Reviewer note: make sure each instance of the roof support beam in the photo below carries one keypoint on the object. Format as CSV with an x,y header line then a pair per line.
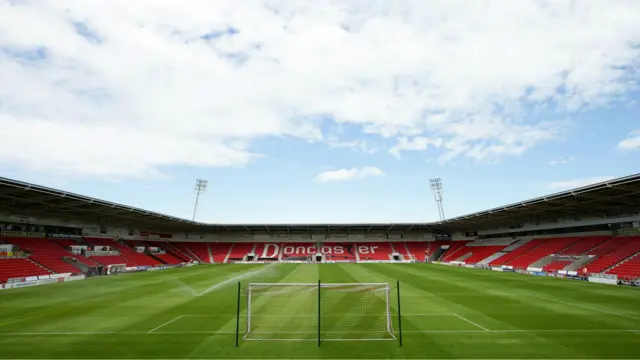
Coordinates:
x,y
16,200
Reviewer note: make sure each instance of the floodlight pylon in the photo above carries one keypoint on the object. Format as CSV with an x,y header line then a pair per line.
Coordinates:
x,y
436,187
201,187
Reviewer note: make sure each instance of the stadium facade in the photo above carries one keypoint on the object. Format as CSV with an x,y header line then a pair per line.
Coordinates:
x,y
590,231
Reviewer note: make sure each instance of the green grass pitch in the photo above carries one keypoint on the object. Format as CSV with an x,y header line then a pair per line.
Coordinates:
x,y
448,312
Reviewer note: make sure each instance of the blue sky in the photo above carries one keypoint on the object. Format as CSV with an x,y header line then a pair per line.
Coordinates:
x,y
303,112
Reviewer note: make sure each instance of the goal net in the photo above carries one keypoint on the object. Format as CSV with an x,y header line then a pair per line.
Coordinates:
x,y
115,269
308,311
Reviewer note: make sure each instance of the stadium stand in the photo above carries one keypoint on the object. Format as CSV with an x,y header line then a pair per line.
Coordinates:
x,y
46,252
547,247
179,253
374,251
418,250
113,260
606,247
169,259
339,251
624,248
557,265
135,257
269,252
583,245
168,255
240,250
198,251
402,249
19,268
627,269
287,251
220,251
127,255
98,241
451,254
517,252
168,249
479,253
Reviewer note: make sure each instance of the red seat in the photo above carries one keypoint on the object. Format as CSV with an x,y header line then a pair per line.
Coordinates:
x,y
169,259
583,245
113,260
19,268
127,254
515,253
629,269
453,252
338,251
197,249
380,251
547,247
240,250
480,253
619,248
556,265
48,253
401,249
219,251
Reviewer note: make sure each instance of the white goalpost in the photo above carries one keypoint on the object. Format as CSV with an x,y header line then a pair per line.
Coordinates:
x,y
314,311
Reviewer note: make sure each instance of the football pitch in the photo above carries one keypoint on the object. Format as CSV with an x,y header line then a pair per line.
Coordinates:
x,y
447,312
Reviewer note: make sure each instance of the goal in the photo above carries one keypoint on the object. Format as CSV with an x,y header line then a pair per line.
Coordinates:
x,y
315,311
115,269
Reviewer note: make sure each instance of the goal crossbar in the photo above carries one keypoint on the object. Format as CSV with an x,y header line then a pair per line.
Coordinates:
x,y
321,284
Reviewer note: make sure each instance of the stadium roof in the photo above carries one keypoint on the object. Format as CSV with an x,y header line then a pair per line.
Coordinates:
x,y
616,196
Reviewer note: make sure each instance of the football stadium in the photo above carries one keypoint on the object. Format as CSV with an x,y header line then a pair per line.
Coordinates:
x,y
320,135
551,277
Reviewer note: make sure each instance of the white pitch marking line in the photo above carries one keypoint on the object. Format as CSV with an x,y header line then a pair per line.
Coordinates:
x,y
167,323
307,315
471,322
404,332
584,307
121,333
310,332
267,339
519,331
386,339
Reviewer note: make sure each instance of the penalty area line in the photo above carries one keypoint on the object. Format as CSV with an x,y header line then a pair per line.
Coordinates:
x,y
167,323
471,322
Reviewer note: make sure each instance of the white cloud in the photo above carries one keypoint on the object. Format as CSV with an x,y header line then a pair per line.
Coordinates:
x,y
632,142
576,183
112,151
562,160
172,85
348,174
418,143
359,145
